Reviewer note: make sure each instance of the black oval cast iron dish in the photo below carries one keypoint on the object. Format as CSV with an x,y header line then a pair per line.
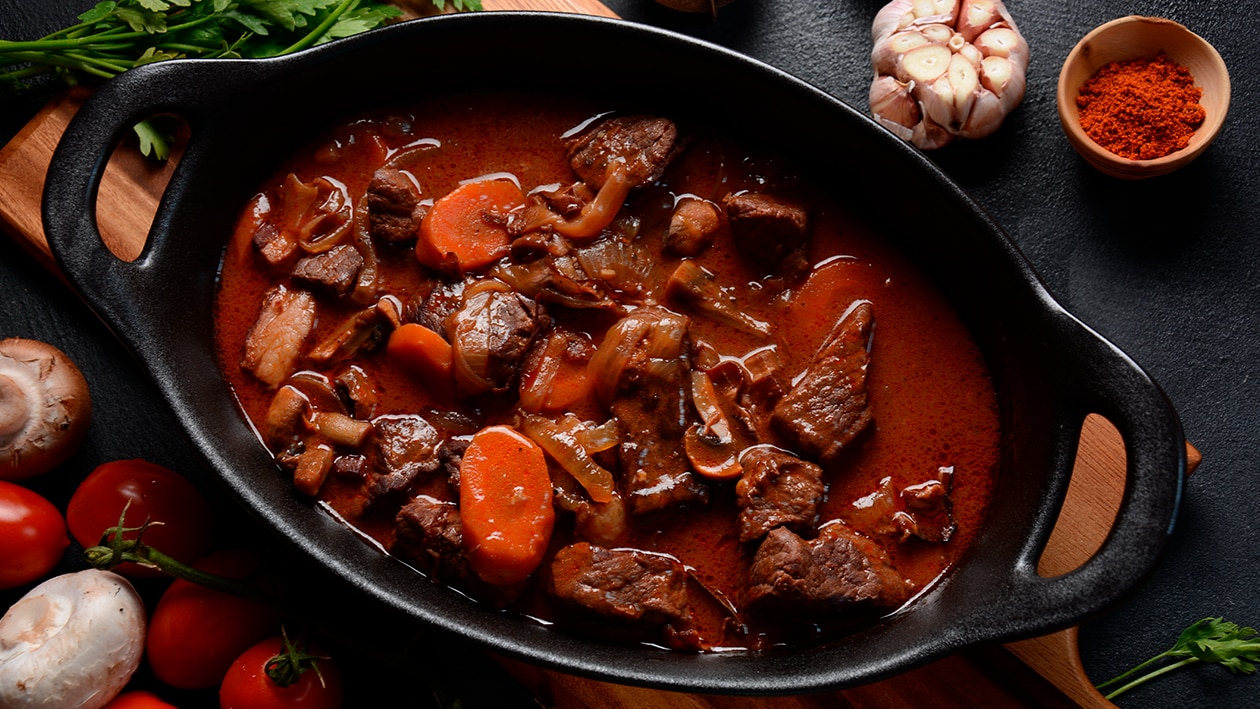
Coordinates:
x,y
1050,370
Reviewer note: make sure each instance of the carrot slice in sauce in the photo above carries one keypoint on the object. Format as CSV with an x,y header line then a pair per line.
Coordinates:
x,y
466,226
505,504
419,347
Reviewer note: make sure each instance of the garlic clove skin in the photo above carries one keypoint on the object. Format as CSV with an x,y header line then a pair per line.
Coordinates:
x,y
889,19
894,107
962,61
942,11
929,135
986,116
976,16
71,642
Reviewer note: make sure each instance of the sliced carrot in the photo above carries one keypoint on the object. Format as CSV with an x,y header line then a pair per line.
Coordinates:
x,y
466,226
422,349
505,505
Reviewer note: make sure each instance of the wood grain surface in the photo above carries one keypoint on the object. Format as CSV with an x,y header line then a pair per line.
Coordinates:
x,y
1042,672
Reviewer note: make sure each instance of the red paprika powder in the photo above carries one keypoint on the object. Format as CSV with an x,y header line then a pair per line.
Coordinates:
x,y
1141,108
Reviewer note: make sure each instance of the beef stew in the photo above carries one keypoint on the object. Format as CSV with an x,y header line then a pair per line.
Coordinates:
x,y
761,424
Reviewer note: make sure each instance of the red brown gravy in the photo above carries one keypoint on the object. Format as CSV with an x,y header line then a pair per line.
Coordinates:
x,y
908,491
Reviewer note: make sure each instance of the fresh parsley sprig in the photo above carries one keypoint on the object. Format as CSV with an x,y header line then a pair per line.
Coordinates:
x,y
117,35
1213,640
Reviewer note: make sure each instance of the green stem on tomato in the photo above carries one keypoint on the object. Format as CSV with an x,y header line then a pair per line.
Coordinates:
x,y
286,668
114,550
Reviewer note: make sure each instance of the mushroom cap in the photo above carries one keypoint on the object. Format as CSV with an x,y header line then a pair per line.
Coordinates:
x,y
73,641
45,408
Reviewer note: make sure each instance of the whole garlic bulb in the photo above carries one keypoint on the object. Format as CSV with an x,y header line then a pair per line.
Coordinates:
x,y
945,68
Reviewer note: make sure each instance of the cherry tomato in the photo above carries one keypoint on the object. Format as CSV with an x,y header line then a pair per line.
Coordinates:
x,y
32,535
247,686
138,699
197,632
156,493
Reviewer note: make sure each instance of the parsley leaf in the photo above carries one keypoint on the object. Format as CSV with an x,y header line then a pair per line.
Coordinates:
x,y
289,14
116,35
153,140
1213,640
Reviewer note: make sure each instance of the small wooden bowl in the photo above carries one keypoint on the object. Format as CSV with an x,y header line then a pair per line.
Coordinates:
x,y
1137,38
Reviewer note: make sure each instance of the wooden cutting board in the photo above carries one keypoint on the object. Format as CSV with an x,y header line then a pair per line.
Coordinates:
x,y
989,677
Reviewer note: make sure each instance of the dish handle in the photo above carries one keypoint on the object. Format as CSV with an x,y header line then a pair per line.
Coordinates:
x,y
119,290
1099,378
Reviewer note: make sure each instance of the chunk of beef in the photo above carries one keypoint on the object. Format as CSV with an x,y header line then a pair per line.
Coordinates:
x,y
275,246
769,231
433,303
623,584
930,508
921,510
827,408
645,145
840,572
777,489
407,447
428,534
451,455
333,272
490,335
393,205
692,227
351,466
275,341
642,370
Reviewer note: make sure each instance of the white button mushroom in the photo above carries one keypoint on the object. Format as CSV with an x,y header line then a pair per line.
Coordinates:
x,y
945,69
72,642
44,408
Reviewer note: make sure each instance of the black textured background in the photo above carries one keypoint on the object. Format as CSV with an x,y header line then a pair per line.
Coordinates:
x,y
1167,268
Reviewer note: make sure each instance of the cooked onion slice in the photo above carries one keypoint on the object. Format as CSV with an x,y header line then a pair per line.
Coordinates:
x,y
652,334
595,215
565,449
